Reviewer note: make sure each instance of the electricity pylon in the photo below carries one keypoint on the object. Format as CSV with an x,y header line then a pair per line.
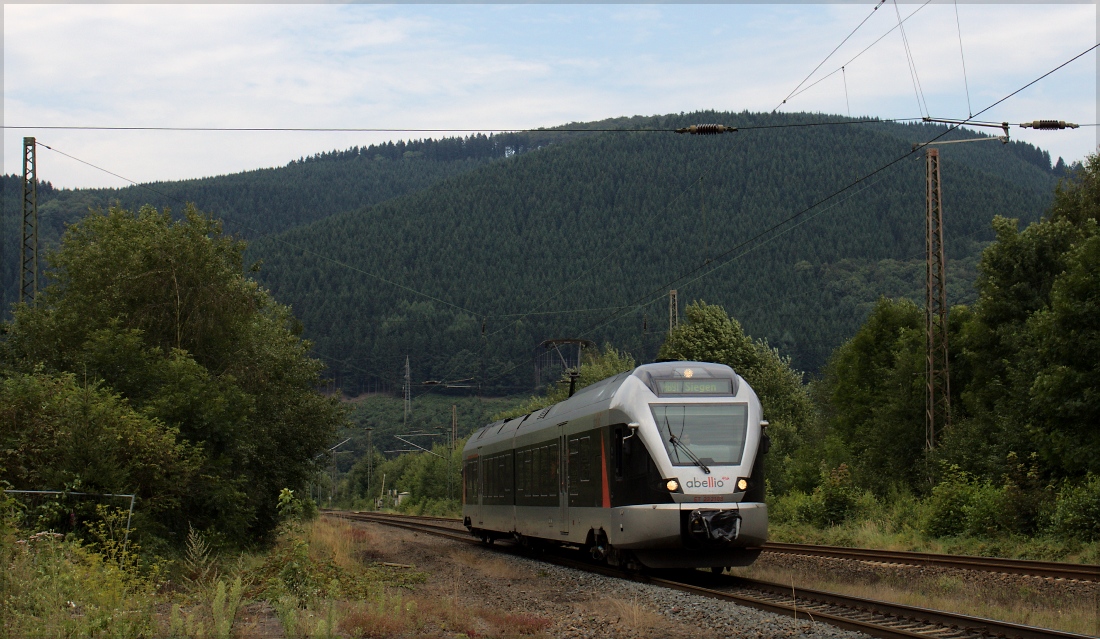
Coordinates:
x,y
28,253
937,373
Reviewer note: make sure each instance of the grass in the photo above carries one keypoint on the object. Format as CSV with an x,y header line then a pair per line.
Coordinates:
x,y
322,579
494,567
632,615
1005,600
54,587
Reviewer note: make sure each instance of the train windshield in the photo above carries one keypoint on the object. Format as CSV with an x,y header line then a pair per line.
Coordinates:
x,y
713,433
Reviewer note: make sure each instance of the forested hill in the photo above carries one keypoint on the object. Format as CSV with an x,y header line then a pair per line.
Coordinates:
x,y
600,220
256,203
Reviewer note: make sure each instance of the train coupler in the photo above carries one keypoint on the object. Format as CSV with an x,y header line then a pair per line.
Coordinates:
x,y
712,527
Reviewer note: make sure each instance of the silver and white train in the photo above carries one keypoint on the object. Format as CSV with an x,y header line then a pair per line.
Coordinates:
x,y
660,467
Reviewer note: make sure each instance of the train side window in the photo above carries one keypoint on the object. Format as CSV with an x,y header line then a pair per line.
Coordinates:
x,y
540,472
584,445
553,481
509,478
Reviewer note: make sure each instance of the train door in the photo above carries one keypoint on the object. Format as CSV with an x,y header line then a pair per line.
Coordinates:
x,y
480,487
563,480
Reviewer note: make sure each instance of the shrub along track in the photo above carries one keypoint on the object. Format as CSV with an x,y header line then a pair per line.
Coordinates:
x,y
876,618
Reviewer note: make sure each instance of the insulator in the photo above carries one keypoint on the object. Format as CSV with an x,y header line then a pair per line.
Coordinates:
x,y
1049,125
707,129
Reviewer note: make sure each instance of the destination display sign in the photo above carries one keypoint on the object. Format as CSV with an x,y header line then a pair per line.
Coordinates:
x,y
695,386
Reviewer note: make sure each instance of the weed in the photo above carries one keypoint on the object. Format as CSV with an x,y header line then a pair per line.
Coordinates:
x,y
520,624
223,608
183,625
199,564
386,615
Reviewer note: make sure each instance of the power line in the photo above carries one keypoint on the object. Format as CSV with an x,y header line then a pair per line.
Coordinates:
x,y
966,83
829,56
271,129
416,130
844,76
917,89
565,312
865,49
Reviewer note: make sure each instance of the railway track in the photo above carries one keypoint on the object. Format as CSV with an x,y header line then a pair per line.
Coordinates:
x,y
875,618
1048,569
1044,569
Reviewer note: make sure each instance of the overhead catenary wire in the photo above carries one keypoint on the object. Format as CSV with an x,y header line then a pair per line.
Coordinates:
x,y
962,56
865,49
835,49
844,76
58,127
917,89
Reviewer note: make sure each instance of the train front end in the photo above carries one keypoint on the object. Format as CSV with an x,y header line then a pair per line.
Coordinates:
x,y
702,427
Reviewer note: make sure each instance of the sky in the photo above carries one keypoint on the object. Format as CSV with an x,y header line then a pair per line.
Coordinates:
x,y
504,67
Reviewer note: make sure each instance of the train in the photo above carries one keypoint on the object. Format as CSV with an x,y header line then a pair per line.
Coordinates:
x,y
660,467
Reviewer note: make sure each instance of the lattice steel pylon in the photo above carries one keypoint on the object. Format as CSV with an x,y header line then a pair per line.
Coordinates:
x,y
28,253
673,310
407,391
937,375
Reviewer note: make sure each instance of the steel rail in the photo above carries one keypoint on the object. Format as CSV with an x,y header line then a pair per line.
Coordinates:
x,y
876,618
1051,569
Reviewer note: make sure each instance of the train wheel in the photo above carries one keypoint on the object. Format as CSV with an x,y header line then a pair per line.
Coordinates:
x,y
717,569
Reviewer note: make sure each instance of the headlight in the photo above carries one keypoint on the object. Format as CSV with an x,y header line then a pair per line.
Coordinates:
x,y
742,484
672,485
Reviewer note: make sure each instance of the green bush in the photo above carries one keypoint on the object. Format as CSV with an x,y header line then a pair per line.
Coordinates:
x,y
948,506
1077,510
963,505
987,511
431,507
833,502
292,508
835,497
789,508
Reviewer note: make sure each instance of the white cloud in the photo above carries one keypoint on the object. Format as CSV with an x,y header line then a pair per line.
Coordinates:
x,y
455,66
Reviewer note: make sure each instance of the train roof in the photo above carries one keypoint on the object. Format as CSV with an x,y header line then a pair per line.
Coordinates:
x,y
600,395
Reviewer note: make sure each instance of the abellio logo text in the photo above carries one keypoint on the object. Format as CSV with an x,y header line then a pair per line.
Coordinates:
x,y
709,482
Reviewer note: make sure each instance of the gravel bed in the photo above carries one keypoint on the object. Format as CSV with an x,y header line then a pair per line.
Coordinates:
x,y
689,614
581,605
